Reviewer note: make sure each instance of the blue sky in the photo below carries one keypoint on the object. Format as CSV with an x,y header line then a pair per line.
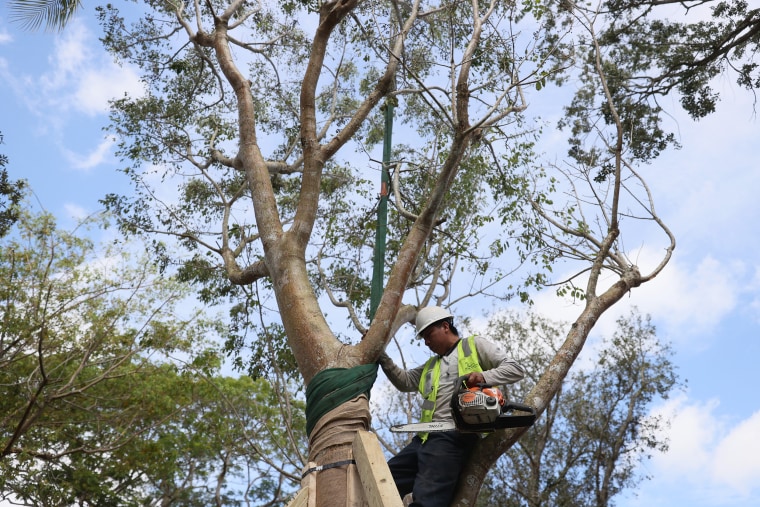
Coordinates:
x,y
53,107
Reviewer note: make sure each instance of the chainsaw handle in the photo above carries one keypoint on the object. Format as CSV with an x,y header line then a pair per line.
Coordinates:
x,y
511,405
461,383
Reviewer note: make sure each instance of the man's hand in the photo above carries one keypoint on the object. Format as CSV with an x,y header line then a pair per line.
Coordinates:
x,y
475,378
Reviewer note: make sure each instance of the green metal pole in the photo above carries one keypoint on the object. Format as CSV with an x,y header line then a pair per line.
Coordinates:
x,y
376,291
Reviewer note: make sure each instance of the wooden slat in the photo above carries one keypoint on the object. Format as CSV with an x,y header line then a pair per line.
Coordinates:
x,y
301,499
374,473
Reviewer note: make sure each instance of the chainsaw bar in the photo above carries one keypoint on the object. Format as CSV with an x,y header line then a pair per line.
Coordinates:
x,y
426,427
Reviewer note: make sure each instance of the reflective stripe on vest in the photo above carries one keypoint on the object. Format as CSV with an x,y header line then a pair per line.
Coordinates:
x,y
467,362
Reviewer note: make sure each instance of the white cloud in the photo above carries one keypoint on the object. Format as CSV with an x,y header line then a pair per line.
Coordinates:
x,y
686,301
705,191
692,432
82,79
95,87
71,53
92,159
692,298
708,455
79,80
75,212
5,37
753,291
736,462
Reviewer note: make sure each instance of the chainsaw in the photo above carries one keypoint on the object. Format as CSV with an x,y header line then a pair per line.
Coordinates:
x,y
478,409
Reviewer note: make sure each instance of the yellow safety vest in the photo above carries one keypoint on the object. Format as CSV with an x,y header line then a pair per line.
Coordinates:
x,y
467,362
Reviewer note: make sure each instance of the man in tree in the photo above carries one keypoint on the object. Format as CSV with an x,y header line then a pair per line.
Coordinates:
x,y
429,466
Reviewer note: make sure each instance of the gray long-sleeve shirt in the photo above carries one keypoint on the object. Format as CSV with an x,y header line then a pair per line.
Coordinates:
x,y
498,369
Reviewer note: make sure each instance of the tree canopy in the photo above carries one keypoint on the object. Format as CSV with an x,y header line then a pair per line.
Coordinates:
x,y
110,386
258,115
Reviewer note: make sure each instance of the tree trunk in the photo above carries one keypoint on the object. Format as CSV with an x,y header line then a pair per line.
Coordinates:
x,y
331,443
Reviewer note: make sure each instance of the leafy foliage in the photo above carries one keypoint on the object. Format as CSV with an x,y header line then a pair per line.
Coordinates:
x,y
185,132
597,429
11,193
661,48
109,396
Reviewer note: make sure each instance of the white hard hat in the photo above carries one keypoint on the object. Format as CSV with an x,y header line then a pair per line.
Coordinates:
x,y
430,315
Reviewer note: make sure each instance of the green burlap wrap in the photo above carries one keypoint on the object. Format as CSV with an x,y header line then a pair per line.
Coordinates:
x,y
334,386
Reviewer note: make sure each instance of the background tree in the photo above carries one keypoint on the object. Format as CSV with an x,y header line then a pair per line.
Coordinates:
x,y
11,194
595,432
109,396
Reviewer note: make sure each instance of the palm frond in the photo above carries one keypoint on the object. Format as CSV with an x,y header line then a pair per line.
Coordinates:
x,y
54,14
